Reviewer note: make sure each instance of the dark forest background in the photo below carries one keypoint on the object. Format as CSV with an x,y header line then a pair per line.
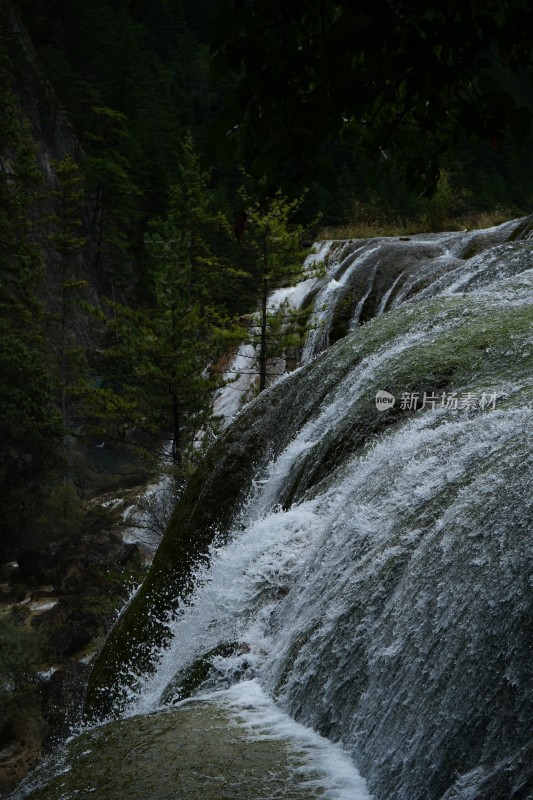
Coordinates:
x,y
107,153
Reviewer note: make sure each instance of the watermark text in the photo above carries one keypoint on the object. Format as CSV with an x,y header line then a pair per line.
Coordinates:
x,y
418,401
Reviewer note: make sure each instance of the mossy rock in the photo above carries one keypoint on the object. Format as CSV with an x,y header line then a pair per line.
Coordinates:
x,y
200,752
193,676
524,229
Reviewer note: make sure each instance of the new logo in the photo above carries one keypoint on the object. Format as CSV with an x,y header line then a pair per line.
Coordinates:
x,y
384,400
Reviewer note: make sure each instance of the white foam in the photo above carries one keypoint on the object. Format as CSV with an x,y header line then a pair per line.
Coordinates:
x,y
240,378
326,764
285,571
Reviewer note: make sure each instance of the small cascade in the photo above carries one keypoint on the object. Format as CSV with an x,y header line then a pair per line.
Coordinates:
x,y
242,375
361,280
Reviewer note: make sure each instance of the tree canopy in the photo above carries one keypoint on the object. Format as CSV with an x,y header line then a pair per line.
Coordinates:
x,y
405,80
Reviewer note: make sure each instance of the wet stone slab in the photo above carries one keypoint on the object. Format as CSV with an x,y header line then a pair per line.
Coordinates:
x,y
198,751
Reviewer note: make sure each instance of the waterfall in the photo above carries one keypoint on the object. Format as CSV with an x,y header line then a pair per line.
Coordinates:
x,y
358,586
362,279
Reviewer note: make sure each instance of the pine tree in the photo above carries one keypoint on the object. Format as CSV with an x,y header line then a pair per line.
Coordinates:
x,y
193,210
158,386
114,192
29,425
274,245
68,242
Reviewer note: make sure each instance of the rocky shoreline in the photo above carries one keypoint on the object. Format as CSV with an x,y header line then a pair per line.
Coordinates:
x,y
60,602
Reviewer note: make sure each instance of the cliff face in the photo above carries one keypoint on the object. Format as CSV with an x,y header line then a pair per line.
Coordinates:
x,y
47,273
49,276
51,143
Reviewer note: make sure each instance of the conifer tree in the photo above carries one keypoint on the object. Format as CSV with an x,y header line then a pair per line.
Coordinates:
x,y
29,425
113,190
193,209
68,241
274,245
159,381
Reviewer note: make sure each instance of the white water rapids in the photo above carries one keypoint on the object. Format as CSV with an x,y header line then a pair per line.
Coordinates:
x,y
283,588
370,601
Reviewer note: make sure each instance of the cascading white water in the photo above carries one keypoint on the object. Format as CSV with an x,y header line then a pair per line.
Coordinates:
x,y
242,374
267,586
390,269
376,584
285,591
300,610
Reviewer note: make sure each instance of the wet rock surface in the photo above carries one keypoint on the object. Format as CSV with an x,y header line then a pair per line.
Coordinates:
x,y
65,601
199,751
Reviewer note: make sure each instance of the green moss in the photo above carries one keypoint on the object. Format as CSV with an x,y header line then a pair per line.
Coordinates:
x,y
342,316
524,230
474,247
189,679
209,506
199,752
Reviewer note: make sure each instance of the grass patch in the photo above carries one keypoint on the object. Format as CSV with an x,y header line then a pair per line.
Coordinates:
x,y
383,226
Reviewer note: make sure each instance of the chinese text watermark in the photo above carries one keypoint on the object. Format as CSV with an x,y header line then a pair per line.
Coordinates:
x,y
417,401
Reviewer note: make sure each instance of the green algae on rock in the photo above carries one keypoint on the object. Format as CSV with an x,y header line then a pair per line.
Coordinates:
x,y
201,750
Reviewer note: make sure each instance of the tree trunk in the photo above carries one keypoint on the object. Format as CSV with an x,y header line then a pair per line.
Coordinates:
x,y
64,370
176,431
263,340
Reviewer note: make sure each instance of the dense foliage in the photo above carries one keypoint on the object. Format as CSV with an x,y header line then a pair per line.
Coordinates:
x,y
401,80
112,199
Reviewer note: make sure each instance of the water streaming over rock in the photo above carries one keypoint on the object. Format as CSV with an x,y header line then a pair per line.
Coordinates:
x,y
368,568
